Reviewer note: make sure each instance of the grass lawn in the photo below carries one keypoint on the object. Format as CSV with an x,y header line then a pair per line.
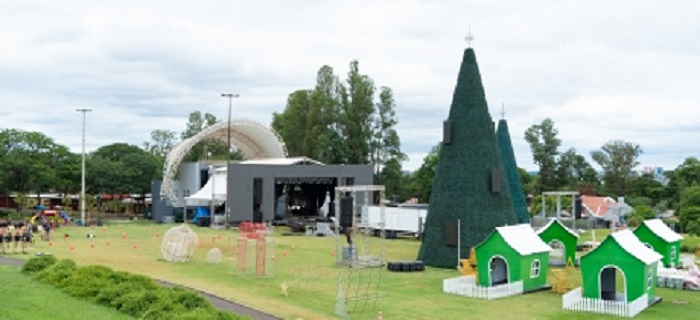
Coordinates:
x,y
306,266
23,298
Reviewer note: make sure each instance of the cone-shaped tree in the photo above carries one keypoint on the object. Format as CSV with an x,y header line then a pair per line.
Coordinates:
x,y
512,175
462,187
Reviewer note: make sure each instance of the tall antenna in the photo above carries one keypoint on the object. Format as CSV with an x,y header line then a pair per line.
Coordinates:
x,y
469,38
503,111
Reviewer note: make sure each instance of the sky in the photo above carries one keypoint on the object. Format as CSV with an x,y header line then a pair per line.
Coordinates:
x,y
601,70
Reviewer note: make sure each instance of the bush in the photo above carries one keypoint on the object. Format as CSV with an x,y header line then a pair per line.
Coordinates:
x,y
688,248
135,295
57,273
38,264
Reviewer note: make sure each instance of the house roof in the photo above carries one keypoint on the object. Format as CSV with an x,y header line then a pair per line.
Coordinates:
x,y
523,239
659,228
597,206
552,221
630,243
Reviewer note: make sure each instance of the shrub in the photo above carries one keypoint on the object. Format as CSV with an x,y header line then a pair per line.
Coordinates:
x,y
688,248
38,264
57,273
189,299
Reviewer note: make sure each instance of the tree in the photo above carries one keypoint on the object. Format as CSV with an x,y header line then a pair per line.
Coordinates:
x,y
517,194
617,158
462,189
291,124
122,168
423,177
162,141
338,123
195,124
690,206
358,108
29,161
573,169
544,145
385,145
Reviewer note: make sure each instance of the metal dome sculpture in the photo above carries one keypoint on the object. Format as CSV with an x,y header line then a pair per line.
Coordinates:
x,y
253,139
179,244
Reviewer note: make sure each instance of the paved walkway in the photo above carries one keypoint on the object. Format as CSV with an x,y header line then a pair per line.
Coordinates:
x,y
218,302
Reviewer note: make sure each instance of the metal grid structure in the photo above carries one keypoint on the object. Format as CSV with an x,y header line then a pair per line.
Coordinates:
x,y
361,233
253,139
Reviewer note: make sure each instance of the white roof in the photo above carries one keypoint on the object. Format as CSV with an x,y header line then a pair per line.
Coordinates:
x,y
283,161
215,189
630,243
553,220
523,239
659,228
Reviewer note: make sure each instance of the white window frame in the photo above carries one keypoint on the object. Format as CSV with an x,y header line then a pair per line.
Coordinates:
x,y
535,268
673,253
650,278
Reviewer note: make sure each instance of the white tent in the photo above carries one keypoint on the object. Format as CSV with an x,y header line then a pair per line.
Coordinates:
x,y
214,189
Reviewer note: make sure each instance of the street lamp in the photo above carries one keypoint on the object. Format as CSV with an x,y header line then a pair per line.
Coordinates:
x,y
230,97
82,192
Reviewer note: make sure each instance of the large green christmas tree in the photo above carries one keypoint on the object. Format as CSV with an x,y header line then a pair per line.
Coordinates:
x,y
462,187
512,174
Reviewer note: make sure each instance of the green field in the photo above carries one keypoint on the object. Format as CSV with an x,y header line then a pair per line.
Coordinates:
x,y
305,265
24,298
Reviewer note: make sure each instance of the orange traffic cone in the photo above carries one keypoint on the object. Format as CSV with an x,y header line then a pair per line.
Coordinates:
x,y
108,242
135,246
284,253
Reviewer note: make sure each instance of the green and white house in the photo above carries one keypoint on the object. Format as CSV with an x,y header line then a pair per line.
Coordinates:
x,y
510,254
510,261
621,254
657,235
562,240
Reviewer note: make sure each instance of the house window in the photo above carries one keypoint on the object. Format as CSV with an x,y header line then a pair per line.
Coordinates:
x,y
650,278
535,269
673,254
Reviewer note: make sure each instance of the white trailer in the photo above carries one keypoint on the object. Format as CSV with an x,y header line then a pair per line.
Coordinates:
x,y
402,220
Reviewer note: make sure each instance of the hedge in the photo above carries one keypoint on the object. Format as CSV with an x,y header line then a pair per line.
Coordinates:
x,y
135,295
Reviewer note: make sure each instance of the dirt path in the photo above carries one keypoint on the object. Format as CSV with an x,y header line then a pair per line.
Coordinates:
x,y
218,302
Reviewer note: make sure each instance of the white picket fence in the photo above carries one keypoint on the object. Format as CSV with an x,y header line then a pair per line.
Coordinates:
x,y
466,286
574,301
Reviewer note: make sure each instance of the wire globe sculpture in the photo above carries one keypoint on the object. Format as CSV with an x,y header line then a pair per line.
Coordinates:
x,y
214,256
179,244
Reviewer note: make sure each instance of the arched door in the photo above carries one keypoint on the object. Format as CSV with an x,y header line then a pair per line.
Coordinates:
x,y
613,285
557,256
499,271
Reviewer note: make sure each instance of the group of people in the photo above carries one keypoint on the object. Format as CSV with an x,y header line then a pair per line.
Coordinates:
x,y
15,237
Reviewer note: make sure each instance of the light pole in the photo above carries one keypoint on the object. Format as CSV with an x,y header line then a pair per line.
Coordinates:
x,y
230,97
82,189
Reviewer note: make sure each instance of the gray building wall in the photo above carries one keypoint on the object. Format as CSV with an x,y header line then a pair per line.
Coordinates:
x,y
240,184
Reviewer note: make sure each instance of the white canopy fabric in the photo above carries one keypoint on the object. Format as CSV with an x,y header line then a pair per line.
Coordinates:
x,y
215,189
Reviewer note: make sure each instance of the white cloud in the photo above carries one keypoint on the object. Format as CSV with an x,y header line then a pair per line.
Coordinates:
x,y
623,70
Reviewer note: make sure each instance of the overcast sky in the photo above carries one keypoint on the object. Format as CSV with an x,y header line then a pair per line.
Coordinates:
x,y
601,70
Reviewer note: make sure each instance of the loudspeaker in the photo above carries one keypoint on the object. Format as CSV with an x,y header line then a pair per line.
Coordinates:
x,y
451,233
577,207
446,134
495,180
346,212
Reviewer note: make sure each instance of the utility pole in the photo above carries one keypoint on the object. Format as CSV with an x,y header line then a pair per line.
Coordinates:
x,y
230,97
82,189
